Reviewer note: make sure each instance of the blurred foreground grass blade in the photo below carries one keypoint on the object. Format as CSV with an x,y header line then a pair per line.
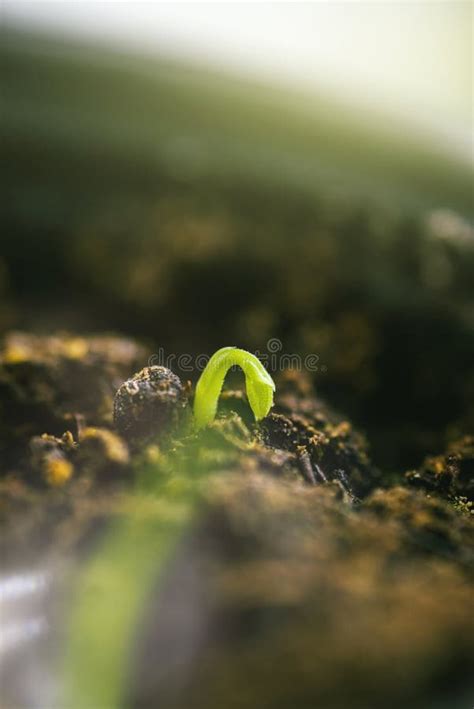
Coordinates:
x,y
111,591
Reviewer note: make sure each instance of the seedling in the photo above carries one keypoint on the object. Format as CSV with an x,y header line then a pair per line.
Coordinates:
x,y
259,384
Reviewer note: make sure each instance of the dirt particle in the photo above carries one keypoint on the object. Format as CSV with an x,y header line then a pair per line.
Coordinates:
x,y
149,404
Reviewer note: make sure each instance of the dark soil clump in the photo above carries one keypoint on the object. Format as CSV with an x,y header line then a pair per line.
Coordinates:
x,y
150,403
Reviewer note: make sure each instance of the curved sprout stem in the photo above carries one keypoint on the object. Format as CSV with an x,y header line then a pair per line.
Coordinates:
x,y
259,384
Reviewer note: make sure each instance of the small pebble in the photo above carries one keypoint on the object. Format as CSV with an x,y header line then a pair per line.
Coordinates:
x,y
149,404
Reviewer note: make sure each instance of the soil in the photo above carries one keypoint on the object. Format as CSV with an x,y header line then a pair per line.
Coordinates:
x,y
315,579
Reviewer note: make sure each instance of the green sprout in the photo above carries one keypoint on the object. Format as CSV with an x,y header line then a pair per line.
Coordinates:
x,y
259,384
